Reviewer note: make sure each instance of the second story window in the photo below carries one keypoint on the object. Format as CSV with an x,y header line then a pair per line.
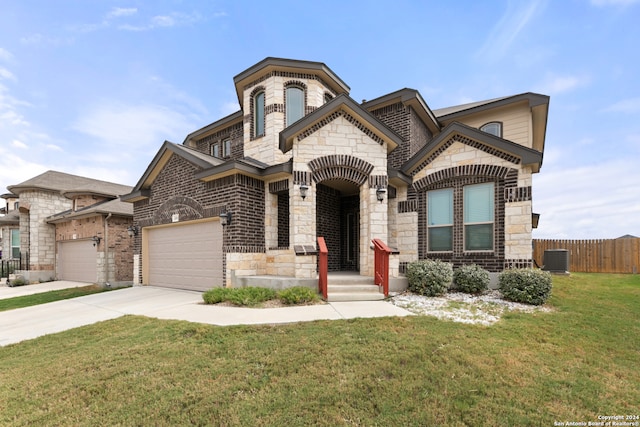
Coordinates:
x,y
258,114
494,128
215,150
294,104
226,148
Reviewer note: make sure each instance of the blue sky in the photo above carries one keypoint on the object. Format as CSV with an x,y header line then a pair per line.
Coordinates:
x,y
94,87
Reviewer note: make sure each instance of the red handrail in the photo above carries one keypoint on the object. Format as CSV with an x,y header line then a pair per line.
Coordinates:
x,y
323,267
381,262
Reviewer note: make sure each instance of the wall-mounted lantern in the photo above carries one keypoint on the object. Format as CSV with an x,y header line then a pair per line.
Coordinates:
x,y
96,240
225,218
133,230
303,190
380,191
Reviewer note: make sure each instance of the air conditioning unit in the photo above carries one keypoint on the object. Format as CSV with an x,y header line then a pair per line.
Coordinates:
x,y
556,261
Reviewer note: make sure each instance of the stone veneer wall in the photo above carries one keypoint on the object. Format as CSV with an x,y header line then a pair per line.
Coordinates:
x,y
39,238
175,190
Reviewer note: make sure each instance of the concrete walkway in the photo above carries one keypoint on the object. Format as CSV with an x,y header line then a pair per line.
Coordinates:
x,y
162,303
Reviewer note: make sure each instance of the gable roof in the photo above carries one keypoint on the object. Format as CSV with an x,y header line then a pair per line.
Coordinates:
x,y
527,155
340,102
67,184
408,97
271,64
12,218
141,189
223,123
116,207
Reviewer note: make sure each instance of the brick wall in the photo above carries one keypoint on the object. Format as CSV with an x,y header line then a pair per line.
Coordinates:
x,y
328,222
233,132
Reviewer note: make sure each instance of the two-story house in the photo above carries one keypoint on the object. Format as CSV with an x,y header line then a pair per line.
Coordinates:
x,y
249,194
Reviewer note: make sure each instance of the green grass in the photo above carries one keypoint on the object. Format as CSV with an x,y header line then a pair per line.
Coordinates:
x,y
572,364
50,296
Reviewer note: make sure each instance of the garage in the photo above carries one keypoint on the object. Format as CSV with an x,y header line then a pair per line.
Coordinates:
x,y
185,256
77,261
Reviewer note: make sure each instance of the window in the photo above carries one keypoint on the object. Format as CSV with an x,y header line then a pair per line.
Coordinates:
x,y
295,104
215,150
15,243
16,205
226,148
478,217
494,128
258,115
440,220
327,97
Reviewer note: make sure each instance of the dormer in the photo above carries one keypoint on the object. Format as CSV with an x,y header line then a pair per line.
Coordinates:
x,y
274,94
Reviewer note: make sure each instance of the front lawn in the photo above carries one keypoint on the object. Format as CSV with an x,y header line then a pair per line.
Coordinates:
x,y
572,364
50,296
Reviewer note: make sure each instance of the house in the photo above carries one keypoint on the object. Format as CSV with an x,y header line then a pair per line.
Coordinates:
x,y
9,228
74,228
249,194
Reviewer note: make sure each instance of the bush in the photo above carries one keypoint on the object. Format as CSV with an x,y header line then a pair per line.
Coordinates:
x,y
250,295
297,295
216,295
429,278
471,279
525,285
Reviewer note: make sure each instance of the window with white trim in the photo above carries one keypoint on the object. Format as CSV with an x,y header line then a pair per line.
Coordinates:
x,y
478,206
440,220
15,243
215,150
494,128
294,104
226,148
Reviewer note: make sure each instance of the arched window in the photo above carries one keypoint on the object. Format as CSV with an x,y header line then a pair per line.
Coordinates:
x,y
327,97
294,104
258,114
494,128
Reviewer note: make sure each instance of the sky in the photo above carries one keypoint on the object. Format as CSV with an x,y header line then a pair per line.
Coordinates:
x,y
94,88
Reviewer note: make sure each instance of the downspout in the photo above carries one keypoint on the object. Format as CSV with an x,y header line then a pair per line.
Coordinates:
x,y
106,247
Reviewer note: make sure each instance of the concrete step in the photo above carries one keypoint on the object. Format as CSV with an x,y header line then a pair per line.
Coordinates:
x,y
354,296
352,287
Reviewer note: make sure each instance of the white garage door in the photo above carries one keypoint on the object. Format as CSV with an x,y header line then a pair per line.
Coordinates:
x,y
186,256
77,261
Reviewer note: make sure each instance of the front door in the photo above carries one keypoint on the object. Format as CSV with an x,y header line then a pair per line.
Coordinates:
x,y
349,232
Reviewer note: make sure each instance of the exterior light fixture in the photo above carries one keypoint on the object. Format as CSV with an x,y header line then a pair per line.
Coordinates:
x,y
96,240
225,218
133,230
303,190
380,193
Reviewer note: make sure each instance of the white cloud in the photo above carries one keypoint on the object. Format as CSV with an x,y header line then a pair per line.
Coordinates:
x,y
133,127
554,84
18,144
53,147
588,202
6,74
174,19
5,55
117,12
508,28
627,106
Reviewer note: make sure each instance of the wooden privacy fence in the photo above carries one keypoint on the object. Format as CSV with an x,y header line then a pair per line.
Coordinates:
x,y
595,256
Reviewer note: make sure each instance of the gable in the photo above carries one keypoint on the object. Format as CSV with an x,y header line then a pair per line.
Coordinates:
x,y
346,109
478,140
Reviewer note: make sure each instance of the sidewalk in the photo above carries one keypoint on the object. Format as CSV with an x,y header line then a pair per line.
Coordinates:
x,y
164,303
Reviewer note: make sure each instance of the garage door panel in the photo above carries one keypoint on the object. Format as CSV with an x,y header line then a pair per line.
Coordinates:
x,y
186,256
77,261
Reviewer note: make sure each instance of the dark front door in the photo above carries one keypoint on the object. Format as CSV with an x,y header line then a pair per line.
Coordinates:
x,y
349,233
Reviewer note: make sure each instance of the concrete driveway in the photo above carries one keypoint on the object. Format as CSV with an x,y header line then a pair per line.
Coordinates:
x,y
164,303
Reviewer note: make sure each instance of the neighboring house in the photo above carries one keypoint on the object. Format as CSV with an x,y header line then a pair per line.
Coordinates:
x,y
74,228
10,228
301,159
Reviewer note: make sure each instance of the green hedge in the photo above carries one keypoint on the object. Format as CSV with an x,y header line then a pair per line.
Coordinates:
x,y
471,279
252,296
429,277
525,285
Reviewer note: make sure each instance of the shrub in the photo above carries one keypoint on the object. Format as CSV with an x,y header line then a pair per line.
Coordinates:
x,y
250,295
471,279
429,278
525,285
216,295
297,295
